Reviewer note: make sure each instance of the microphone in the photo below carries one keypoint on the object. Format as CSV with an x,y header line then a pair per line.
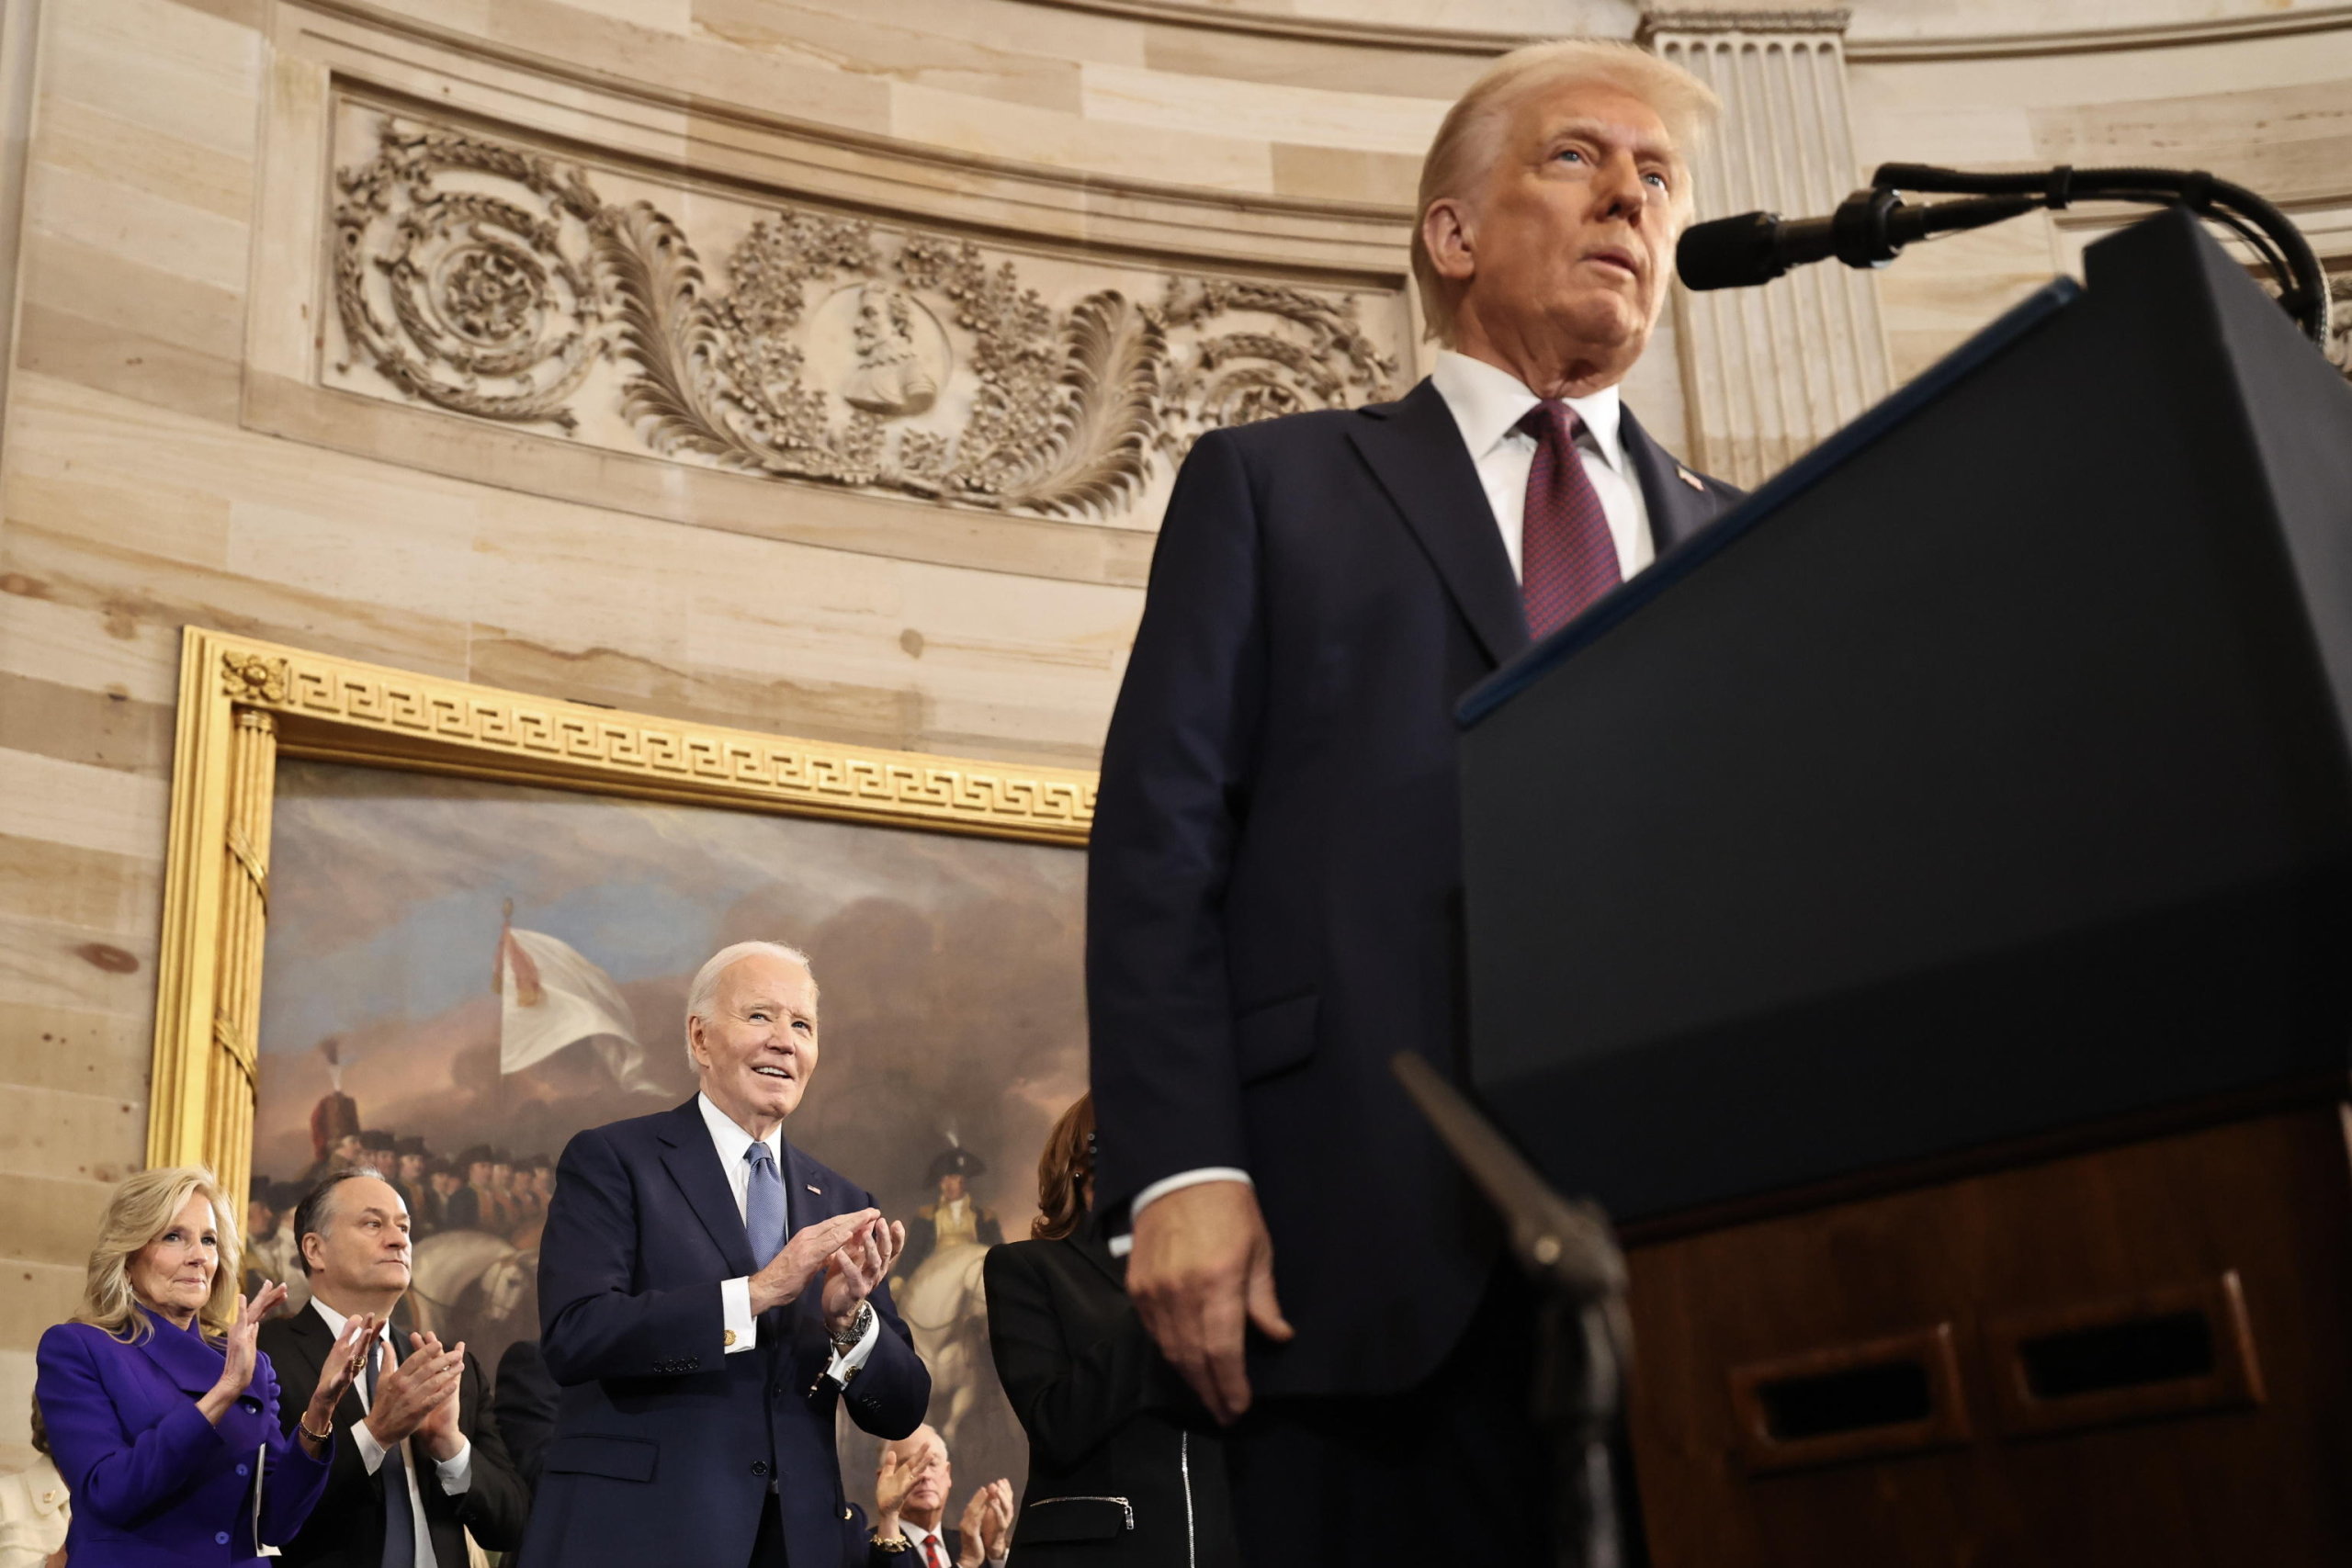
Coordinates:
x,y
1755,247
1868,228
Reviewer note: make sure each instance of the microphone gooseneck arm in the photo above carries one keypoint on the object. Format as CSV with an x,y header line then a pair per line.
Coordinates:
x,y
1873,224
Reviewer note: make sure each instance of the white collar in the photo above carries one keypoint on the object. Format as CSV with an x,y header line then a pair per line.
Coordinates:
x,y
916,1534
335,1320
731,1140
1487,402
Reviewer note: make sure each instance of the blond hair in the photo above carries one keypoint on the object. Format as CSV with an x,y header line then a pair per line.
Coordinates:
x,y
143,1208
1470,138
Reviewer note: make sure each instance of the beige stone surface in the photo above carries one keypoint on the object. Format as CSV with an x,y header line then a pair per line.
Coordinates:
x,y
168,456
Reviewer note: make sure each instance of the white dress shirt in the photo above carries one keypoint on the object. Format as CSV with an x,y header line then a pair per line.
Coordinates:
x,y
735,1296
917,1534
457,1470
1487,402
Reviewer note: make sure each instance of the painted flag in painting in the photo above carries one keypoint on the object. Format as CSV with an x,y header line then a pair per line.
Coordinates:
x,y
551,996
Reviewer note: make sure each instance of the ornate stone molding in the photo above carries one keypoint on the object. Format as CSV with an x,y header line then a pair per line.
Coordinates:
x,y
1671,19
482,278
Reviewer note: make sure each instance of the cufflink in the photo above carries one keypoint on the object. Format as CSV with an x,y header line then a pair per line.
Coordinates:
x,y
727,1339
1687,477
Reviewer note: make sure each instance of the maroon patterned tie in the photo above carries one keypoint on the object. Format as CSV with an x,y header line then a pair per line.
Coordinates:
x,y
1567,557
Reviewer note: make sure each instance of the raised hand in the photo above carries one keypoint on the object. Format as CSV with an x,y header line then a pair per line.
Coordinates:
x,y
344,1364
241,1352
892,1482
968,1529
996,1522
853,1272
1202,1274
803,1258
439,1432
409,1393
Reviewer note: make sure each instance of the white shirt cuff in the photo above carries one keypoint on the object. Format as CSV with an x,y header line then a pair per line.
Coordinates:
x,y
458,1470
1123,1245
372,1452
847,1361
735,1312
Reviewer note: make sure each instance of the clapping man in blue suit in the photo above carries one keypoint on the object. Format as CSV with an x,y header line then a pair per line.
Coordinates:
x,y
709,1296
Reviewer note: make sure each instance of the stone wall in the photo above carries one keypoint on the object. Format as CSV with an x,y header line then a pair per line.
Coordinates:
x,y
201,429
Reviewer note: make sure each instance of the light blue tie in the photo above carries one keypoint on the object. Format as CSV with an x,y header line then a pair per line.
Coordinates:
x,y
763,1206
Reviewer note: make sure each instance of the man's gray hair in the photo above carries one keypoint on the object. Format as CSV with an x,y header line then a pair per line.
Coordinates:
x,y
705,990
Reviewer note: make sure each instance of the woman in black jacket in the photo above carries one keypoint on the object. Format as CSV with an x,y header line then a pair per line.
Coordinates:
x,y
1126,1467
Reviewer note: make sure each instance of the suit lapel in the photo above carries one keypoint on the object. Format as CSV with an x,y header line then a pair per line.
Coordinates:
x,y
693,1163
806,1199
1088,1241
1414,450
1678,508
191,1364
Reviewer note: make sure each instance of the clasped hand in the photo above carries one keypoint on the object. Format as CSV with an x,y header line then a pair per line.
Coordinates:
x,y
852,1252
419,1398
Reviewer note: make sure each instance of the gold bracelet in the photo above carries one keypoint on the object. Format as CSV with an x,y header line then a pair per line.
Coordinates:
x,y
895,1544
303,1424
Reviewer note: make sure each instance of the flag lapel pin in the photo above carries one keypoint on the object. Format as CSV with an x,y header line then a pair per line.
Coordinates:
x,y
1687,477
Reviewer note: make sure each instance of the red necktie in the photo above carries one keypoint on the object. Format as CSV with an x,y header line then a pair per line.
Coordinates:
x,y
1567,557
931,1552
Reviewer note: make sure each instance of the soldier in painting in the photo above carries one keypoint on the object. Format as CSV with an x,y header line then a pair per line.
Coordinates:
x,y
957,1216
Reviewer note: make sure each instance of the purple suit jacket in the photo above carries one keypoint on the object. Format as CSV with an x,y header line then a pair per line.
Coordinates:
x,y
152,1482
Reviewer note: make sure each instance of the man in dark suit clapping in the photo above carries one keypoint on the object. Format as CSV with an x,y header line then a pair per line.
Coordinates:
x,y
418,1459
709,1298
1275,873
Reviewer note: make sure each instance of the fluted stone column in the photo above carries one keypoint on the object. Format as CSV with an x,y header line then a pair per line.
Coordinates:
x,y
1767,372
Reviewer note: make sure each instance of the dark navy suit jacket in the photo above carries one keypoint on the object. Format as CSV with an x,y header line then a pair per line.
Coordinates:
x,y
665,1446
152,1482
1273,894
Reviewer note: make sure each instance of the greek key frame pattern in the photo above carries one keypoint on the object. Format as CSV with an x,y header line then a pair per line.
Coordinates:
x,y
452,724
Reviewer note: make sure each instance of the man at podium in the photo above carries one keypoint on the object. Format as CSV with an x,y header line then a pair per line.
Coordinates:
x,y
1276,874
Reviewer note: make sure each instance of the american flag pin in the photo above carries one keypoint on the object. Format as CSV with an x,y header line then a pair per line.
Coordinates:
x,y
817,1189
1687,477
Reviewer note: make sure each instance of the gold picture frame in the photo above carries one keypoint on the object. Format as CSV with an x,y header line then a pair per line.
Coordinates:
x,y
244,702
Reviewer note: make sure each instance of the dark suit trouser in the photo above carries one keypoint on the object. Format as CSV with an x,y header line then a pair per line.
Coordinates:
x,y
1452,1470
767,1547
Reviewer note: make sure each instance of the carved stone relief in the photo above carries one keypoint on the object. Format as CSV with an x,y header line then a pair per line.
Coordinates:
x,y
493,280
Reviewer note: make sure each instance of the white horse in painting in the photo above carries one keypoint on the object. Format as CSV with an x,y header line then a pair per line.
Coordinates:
x,y
946,1305
461,1275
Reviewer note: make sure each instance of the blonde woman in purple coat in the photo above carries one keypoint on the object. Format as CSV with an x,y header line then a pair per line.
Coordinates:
x,y
162,1414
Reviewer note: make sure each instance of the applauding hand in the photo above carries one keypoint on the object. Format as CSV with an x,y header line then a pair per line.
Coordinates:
x,y
804,1257
241,1351
860,1265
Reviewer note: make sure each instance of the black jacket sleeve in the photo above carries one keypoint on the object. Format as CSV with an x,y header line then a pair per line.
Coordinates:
x,y
495,1502
1070,1400
1173,797
523,1399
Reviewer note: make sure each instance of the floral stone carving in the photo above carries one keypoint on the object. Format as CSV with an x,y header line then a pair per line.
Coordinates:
x,y
488,280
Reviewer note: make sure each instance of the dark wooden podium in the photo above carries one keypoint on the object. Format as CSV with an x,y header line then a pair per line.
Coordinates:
x,y
1921,912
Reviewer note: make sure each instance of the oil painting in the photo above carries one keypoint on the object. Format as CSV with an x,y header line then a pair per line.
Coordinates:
x,y
461,974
